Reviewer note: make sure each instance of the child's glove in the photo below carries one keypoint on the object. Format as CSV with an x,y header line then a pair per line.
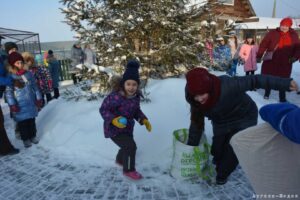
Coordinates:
x,y
119,122
50,84
39,103
147,124
292,60
14,108
258,60
17,83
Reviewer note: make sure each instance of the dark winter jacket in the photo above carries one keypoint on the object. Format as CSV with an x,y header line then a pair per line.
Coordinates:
x,y
55,70
24,98
281,64
4,79
284,117
116,104
235,110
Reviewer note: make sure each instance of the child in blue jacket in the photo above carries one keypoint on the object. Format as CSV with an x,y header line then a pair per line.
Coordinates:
x,y
23,102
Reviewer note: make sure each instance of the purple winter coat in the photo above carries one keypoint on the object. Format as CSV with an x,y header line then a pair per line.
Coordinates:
x,y
116,104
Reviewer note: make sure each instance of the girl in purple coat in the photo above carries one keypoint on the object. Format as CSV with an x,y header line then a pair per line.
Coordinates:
x,y
119,110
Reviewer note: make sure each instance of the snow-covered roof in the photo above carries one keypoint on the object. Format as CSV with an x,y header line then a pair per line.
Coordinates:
x,y
266,23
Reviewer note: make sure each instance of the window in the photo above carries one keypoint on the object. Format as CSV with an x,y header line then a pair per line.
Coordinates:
x,y
227,2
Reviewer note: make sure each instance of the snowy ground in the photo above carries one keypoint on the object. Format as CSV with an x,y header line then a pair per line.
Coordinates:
x,y
74,161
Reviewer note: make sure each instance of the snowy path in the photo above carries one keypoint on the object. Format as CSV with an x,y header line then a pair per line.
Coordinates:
x,y
36,173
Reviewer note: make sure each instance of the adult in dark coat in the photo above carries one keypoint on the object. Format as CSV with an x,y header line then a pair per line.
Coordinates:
x,y
225,102
77,56
6,147
55,71
283,41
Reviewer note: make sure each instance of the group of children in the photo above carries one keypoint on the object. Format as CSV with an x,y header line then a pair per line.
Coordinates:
x,y
34,83
227,56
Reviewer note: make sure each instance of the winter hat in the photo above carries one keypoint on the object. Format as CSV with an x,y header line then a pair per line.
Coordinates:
x,y
231,33
50,52
198,81
284,117
219,38
249,36
14,57
286,22
9,46
132,71
39,60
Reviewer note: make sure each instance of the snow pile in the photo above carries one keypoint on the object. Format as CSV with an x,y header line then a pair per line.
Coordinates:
x,y
75,128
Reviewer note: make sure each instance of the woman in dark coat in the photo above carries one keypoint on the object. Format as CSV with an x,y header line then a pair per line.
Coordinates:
x,y
6,147
225,102
283,41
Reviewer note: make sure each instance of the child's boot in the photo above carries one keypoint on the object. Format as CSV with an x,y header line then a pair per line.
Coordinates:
x,y
134,175
27,143
34,140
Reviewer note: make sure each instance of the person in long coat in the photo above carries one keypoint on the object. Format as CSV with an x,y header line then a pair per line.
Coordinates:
x,y
77,56
6,148
283,42
225,102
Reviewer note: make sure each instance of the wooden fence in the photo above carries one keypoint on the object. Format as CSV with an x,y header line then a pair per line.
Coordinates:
x,y
64,65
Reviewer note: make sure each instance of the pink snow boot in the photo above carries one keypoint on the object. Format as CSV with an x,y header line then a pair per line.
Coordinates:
x,y
134,175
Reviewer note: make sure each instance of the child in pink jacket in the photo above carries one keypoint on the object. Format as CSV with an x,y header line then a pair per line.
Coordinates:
x,y
248,55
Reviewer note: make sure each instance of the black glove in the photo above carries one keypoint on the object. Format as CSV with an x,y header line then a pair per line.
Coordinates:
x,y
17,83
258,60
241,61
292,60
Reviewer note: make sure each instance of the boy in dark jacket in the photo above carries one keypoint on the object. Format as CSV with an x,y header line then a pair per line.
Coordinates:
x,y
225,102
119,110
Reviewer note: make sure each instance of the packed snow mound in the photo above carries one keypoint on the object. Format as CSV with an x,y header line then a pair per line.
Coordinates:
x,y
76,128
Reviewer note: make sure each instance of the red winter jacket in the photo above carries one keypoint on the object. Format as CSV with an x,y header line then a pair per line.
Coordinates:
x,y
281,64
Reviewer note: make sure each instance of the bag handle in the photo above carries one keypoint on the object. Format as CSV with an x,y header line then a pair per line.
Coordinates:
x,y
274,48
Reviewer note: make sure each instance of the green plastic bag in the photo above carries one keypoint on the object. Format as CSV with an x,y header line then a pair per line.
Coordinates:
x,y
190,162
